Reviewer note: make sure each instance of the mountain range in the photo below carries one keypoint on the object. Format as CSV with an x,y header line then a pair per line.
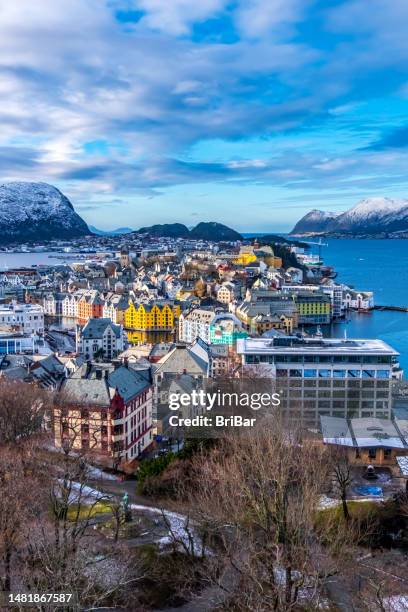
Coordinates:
x,y
371,216
36,212
115,232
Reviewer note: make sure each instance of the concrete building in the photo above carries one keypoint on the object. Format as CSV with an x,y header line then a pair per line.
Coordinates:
x,y
28,318
195,324
100,337
324,377
15,343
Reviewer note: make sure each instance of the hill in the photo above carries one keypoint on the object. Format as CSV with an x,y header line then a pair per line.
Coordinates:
x,y
33,212
203,231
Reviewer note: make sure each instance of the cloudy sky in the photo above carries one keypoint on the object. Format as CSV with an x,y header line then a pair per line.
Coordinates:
x,y
247,112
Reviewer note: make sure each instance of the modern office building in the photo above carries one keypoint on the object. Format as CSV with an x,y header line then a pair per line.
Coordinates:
x,y
14,343
325,376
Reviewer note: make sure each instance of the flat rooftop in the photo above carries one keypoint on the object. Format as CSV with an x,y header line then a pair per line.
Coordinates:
x,y
296,345
364,432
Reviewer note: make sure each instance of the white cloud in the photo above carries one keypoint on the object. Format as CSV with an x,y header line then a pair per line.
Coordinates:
x,y
177,16
256,18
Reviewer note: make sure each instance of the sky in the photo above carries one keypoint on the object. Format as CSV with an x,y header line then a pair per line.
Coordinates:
x,y
245,112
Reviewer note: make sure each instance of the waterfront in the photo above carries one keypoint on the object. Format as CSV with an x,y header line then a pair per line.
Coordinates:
x,y
43,258
373,265
380,266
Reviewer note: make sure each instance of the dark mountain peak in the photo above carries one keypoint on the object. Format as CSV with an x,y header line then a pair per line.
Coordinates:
x,y
203,231
211,230
170,230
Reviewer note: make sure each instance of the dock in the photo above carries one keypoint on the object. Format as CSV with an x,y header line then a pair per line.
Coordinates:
x,y
392,308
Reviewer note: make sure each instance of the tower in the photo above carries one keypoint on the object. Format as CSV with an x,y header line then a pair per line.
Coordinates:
x,y
124,257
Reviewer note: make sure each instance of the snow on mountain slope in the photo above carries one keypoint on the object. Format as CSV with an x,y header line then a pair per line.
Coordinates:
x,y
369,216
314,221
373,213
37,211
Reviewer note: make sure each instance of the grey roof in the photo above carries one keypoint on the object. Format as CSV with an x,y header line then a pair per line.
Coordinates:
x,y
182,359
87,391
128,382
185,383
95,328
363,432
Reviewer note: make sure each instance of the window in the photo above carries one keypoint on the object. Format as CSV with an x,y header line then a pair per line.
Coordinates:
x,y
310,373
295,373
324,373
387,453
372,453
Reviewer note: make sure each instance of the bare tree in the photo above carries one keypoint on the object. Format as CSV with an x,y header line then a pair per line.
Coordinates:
x,y
258,495
342,475
24,409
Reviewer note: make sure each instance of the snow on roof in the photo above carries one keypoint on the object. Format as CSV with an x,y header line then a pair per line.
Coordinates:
x,y
403,464
362,432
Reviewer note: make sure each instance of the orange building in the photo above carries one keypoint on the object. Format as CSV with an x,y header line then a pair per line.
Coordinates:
x,y
90,306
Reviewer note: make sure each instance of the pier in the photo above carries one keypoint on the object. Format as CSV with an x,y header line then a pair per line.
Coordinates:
x,y
393,308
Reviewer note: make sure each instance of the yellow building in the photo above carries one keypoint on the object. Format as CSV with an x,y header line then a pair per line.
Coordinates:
x,y
157,316
245,256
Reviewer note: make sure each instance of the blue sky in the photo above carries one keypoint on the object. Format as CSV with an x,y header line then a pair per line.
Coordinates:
x,y
247,112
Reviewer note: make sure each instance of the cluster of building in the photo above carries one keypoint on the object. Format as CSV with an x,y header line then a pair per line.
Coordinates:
x,y
117,330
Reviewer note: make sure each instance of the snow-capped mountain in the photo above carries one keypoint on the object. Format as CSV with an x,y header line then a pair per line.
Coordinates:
x,y
314,221
36,212
369,216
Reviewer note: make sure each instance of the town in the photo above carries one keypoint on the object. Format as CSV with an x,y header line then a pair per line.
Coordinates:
x,y
163,307
115,326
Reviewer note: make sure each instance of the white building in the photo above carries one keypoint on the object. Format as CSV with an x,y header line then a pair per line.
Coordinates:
x,y
29,318
226,293
358,300
114,308
70,305
100,337
50,304
325,376
195,324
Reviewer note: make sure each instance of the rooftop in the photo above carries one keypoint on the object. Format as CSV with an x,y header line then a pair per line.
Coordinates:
x,y
95,328
298,344
363,432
